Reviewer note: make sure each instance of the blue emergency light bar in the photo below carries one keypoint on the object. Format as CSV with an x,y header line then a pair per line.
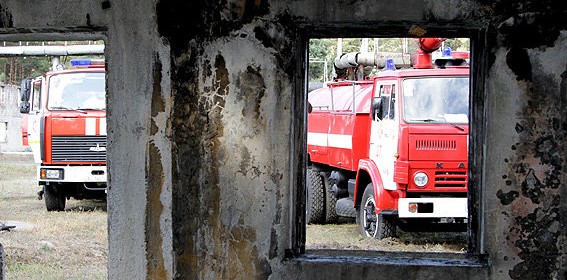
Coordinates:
x,y
86,62
80,62
446,52
390,64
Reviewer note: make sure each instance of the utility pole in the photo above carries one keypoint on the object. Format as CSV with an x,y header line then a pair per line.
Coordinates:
x,y
339,46
364,45
375,45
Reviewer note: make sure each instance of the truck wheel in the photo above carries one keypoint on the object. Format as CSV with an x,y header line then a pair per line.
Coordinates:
x,y
331,216
315,198
370,223
54,198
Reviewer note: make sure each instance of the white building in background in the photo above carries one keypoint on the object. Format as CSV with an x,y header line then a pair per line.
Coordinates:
x,y
10,120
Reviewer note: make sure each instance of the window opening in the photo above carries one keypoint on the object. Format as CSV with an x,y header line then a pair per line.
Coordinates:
x,y
408,125
66,168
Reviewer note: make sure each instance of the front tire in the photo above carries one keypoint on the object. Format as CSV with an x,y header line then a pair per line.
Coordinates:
x,y
370,223
54,198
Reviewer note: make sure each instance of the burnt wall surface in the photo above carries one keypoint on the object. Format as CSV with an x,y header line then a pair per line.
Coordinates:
x,y
205,122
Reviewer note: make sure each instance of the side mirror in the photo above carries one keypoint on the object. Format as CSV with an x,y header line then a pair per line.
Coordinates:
x,y
25,107
376,108
25,90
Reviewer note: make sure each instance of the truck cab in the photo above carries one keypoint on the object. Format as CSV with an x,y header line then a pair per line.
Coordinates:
x,y
66,129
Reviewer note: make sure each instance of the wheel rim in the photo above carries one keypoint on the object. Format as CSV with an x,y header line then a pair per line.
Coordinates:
x,y
370,217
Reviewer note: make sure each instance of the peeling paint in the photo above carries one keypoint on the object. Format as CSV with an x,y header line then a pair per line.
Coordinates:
x,y
155,178
158,104
251,91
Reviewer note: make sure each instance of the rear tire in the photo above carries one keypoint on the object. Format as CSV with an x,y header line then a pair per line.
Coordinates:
x,y
331,216
370,223
54,198
315,206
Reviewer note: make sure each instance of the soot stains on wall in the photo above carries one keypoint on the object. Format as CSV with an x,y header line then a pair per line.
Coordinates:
x,y
196,196
183,21
5,18
219,111
535,170
528,24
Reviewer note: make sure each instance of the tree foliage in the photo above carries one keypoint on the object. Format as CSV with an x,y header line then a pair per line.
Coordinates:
x,y
14,69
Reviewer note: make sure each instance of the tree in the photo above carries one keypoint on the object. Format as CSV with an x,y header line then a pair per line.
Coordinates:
x,y
458,44
321,50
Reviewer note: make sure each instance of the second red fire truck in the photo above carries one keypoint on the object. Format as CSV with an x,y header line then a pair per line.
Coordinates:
x,y
65,112
392,149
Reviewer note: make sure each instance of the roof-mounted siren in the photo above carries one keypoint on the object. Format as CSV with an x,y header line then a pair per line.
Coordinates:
x,y
449,58
426,47
390,65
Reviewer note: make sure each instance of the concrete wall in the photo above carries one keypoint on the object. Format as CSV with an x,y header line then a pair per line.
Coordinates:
x,y
12,119
206,115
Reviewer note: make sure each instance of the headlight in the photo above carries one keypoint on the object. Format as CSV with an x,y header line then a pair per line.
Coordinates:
x,y
51,174
420,179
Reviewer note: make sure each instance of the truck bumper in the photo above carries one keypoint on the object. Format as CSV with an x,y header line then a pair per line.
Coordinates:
x,y
70,174
432,208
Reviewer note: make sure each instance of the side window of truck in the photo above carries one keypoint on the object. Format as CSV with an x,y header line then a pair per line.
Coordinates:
x,y
36,93
385,95
392,103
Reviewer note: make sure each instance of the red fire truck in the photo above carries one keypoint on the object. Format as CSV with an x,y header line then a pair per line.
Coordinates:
x,y
391,150
66,130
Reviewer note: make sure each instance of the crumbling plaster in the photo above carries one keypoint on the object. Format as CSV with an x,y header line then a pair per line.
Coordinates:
x,y
205,119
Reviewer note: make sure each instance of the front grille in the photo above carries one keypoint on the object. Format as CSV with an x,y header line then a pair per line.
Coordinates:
x,y
450,179
78,148
436,145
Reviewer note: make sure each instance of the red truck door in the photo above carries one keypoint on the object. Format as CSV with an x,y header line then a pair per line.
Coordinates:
x,y
384,131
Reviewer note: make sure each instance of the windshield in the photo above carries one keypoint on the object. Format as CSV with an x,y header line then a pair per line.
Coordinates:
x,y
77,91
436,99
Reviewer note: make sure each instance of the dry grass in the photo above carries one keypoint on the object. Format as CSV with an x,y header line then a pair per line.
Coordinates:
x,y
347,237
48,245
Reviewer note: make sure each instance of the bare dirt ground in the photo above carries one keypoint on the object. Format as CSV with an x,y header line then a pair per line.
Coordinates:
x,y
73,244
48,245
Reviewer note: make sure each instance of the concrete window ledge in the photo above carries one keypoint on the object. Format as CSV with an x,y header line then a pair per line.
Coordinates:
x,y
326,264
2,266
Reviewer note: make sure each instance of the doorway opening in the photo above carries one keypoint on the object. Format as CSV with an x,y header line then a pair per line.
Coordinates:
x,y
57,153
